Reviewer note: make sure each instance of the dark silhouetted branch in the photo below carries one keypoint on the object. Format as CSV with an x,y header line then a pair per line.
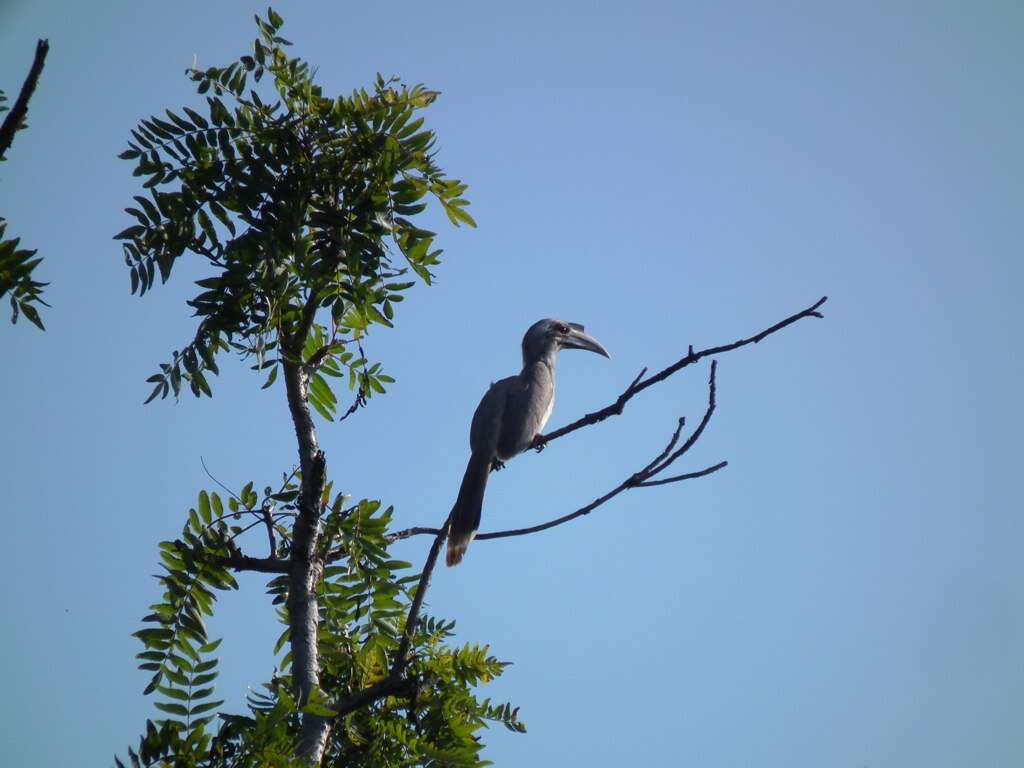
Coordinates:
x,y
415,531
687,476
389,686
413,619
240,562
640,384
16,116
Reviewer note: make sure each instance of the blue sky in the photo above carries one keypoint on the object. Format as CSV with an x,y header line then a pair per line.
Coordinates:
x,y
848,592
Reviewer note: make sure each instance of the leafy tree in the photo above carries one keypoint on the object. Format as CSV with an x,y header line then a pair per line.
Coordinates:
x,y
17,264
301,205
305,208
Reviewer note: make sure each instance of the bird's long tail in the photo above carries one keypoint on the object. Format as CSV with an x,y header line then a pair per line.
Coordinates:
x,y
465,518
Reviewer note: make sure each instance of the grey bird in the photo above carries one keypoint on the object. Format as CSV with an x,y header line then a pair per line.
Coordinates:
x,y
509,417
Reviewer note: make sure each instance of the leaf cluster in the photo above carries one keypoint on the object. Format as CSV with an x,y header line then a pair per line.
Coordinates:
x,y
364,597
298,202
177,647
303,208
16,266
364,602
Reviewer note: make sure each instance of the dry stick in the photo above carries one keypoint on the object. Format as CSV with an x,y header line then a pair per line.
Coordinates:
x,y
18,112
686,476
413,619
614,409
418,530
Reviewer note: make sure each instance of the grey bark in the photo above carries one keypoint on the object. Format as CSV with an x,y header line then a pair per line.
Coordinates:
x,y
306,568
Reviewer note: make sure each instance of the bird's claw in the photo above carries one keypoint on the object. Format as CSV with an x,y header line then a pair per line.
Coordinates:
x,y
497,464
540,446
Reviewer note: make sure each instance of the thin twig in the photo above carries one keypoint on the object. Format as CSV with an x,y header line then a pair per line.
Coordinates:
x,y
389,686
218,482
698,431
687,476
416,531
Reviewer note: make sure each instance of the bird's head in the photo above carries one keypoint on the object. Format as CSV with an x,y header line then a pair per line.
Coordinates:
x,y
546,337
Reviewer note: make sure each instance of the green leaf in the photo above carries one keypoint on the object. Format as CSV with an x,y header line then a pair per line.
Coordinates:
x,y
30,312
208,706
270,379
171,709
204,507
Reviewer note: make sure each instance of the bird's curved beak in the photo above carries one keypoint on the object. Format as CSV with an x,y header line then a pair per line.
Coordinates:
x,y
577,339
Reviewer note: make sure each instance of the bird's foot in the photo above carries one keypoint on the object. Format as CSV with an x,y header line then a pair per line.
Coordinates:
x,y
542,445
497,464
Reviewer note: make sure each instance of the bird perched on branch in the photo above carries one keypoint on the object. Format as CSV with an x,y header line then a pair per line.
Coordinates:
x,y
509,417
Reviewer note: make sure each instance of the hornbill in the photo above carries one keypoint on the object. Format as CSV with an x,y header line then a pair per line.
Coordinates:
x,y
509,417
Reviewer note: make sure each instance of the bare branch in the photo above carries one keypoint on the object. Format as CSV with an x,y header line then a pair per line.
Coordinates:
x,y
687,476
413,619
658,467
389,686
639,384
416,531
16,116
669,447
240,562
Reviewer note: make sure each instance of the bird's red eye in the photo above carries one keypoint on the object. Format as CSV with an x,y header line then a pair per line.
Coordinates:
x,y
562,328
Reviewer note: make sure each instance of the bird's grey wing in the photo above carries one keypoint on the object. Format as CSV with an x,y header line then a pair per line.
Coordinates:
x,y
527,408
485,432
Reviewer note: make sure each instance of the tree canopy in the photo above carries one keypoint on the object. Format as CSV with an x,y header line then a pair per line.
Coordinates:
x,y
304,207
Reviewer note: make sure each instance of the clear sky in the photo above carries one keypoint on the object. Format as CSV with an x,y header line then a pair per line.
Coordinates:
x,y
848,592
